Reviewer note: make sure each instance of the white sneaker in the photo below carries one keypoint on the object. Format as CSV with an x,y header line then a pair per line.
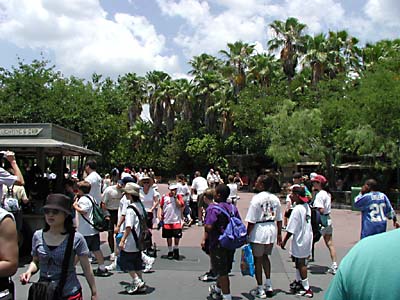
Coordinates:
x,y
333,269
148,264
112,266
258,293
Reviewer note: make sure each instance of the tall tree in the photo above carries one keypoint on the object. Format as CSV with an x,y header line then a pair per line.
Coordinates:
x,y
290,39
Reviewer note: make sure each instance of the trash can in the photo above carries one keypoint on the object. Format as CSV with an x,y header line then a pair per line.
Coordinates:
x,y
355,191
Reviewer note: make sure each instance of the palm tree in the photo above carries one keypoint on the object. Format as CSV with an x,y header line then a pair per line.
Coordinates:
x,y
290,39
237,63
263,69
316,57
156,89
133,87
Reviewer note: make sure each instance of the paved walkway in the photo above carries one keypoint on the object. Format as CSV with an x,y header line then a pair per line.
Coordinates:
x,y
174,280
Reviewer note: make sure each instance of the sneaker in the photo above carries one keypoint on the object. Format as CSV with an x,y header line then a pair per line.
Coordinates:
x,y
134,287
112,266
295,286
200,223
170,255
333,269
269,291
101,273
208,276
176,254
213,292
258,293
306,293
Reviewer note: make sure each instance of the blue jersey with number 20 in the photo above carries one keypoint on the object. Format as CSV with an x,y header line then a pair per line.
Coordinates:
x,y
376,209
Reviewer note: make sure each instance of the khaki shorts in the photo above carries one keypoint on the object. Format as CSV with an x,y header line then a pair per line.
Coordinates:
x,y
261,249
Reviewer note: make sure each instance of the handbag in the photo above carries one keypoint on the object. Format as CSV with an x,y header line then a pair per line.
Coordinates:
x,y
50,290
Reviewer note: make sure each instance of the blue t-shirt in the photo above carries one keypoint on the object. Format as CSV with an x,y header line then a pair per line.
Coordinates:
x,y
51,259
376,209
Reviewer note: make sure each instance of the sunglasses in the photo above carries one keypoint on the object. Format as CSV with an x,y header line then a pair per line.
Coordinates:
x,y
51,211
146,182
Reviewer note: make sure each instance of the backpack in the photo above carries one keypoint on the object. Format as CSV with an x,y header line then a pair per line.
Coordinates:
x,y
10,202
144,241
235,233
100,223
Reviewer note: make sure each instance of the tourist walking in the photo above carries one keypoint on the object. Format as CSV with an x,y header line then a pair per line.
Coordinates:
x,y
263,212
322,202
49,246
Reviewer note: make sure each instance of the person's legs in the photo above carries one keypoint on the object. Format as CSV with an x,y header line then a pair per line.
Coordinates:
x,y
329,243
302,267
258,264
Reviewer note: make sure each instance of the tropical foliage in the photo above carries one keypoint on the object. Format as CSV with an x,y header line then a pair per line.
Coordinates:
x,y
321,97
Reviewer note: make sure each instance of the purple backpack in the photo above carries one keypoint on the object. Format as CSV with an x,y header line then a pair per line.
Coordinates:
x,y
235,233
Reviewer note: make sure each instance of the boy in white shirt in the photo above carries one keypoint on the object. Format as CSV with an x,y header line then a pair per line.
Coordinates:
x,y
300,227
84,206
130,259
171,214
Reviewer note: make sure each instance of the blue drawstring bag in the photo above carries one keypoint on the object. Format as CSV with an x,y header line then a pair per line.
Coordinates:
x,y
247,261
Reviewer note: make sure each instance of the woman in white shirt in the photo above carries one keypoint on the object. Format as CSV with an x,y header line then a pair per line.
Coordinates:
x,y
148,198
322,202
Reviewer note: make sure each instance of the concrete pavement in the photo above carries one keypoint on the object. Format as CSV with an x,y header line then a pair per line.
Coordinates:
x,y
173,280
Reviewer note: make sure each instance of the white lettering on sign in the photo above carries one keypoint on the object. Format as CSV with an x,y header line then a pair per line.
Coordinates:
x,y
20,131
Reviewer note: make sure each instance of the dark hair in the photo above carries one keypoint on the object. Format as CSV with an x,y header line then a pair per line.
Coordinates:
x,y
69,182
264,180
84,186
223,191
68,225
91,164
296,175
373,184
230,178
181,176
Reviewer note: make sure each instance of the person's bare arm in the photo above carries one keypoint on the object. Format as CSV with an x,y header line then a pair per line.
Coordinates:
x,y
17,172
88,272
8,248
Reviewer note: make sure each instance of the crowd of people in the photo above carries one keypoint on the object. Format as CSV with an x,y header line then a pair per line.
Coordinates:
x,y
132,205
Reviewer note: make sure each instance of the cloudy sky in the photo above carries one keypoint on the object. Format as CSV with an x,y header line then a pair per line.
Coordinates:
x,y
113,37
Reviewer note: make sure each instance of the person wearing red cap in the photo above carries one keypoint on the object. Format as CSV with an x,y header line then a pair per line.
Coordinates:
x,y
300,227
323,203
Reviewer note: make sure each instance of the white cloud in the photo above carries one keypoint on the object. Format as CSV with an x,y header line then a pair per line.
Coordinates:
x,y
245,20
83,39
384,11
192,11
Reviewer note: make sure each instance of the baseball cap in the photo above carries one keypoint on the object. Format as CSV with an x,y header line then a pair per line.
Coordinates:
x,y
300,191
319,178
173,186
125,180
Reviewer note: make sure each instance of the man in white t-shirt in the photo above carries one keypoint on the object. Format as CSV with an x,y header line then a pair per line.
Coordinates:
x,y
300,227
94,179
264,211
199,185
111,198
